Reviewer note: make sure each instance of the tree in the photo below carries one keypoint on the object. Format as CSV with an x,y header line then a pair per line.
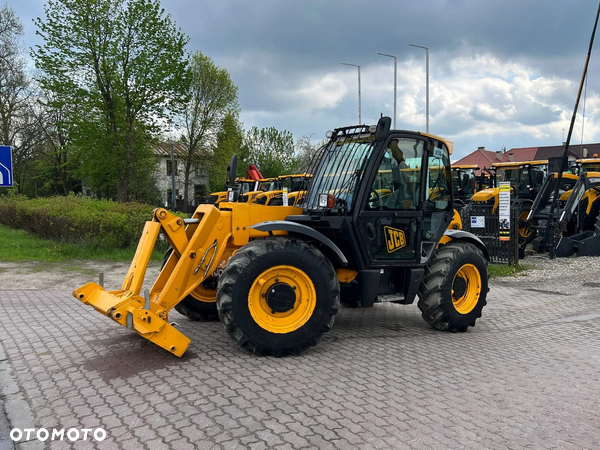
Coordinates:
x,y
271,150
212,108
306,153
55,153
229,142
119,65
15,96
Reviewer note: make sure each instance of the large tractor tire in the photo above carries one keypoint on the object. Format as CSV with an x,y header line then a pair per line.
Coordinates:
x,y
277,296
526,234
455,287
201,304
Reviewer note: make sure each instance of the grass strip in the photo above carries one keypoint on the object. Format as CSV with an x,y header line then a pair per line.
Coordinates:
x,y
19,245
504,270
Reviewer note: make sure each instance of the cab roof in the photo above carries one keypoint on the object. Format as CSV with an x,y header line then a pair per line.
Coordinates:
x,y
295,175
519,164
465,166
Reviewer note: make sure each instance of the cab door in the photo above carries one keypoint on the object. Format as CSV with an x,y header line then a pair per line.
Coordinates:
x,y
407,203
390,217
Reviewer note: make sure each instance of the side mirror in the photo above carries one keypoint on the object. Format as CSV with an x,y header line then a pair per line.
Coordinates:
x,y
383,128
231,170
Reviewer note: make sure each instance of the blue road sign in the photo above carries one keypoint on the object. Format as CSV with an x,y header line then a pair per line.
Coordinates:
x,y
6,169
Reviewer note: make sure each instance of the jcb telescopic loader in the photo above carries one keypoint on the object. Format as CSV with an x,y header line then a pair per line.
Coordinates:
x,y
279,290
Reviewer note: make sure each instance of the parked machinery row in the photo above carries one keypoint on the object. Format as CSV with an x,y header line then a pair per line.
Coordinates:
x,y
574,224
276,191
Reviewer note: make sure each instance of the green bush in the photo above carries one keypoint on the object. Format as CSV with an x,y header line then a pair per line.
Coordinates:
x,y
77,219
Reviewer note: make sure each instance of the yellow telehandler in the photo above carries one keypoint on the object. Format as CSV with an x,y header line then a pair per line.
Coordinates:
x,y
282,267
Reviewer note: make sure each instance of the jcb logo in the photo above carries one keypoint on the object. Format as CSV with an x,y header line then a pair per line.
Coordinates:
x,y
394,239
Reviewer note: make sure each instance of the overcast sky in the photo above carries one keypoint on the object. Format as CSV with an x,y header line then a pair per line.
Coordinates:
x,y
503,73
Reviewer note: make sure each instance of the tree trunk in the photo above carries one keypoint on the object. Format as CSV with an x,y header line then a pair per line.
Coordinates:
x,y
186,183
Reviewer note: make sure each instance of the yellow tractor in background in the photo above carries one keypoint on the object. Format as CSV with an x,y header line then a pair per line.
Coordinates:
x,y
465,182
574,225
285,190
526,179
276,272
243,187
587,165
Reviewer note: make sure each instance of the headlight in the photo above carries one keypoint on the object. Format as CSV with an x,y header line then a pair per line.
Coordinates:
x,y
323,200
326,201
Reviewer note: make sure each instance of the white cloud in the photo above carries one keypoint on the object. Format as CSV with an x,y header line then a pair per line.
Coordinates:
x,y
478,100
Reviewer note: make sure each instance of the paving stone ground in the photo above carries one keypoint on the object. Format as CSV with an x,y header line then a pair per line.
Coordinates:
x,y
527,376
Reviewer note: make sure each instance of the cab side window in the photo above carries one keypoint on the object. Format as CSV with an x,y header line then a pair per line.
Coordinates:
x,y
439,178
398,179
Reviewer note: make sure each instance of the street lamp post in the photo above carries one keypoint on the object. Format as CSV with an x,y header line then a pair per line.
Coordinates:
x,y
359,114
395,81
426,82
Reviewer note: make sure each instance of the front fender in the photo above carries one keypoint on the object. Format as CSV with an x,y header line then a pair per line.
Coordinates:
x,y
298,228
454,235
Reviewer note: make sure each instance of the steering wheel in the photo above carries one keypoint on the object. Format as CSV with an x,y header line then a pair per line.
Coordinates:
x,y
374,197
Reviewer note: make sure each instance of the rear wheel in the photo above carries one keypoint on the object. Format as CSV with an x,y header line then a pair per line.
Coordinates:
x,y
278,296
201,304
455,286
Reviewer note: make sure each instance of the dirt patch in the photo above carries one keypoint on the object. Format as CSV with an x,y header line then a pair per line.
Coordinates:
x,y
562,276
67,275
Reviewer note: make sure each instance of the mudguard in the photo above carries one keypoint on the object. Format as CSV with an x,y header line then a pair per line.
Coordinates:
x,y
293,227
469,237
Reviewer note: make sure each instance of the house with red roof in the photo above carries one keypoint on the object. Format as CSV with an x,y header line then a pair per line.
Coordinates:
x,y
482,158
485,158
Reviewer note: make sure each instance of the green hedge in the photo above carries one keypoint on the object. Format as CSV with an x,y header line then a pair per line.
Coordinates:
x,y
77,219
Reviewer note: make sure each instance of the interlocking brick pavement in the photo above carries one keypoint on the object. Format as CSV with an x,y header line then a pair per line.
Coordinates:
x,y
527,376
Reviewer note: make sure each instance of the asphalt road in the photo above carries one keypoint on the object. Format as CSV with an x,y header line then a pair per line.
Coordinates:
x,y
527,376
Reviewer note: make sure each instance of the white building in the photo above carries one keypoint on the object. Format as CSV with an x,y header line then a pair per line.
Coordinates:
x,y
198,184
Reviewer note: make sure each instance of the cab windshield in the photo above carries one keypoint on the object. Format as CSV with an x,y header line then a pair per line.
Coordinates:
x,y
463,181
293,184
518,178
267,186
340,169
246,186
590,167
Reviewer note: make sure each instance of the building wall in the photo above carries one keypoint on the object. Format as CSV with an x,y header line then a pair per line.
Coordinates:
x,y
163,181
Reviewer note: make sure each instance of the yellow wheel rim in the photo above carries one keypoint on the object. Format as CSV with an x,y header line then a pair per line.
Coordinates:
x,y
204,295
466,288
523,231
282,299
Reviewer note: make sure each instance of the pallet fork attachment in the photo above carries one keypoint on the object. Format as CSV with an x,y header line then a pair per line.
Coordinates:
x,y
200,245
196,254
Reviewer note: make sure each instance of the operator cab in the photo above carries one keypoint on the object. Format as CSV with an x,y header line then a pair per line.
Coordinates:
x,y
464,181
587,165
385,196
526,178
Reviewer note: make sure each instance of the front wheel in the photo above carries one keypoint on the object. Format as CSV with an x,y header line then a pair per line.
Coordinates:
x,y
278,296
454,288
